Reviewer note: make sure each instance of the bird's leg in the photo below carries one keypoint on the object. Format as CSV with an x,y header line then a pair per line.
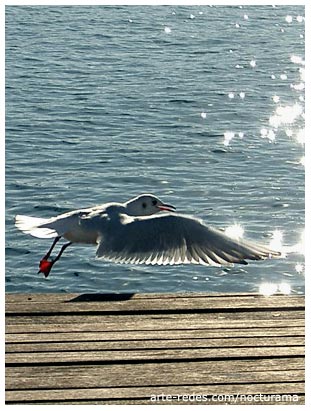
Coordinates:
x,y
51,249
45,266
61,252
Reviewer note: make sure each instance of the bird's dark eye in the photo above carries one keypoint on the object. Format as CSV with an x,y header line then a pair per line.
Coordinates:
x,y
154,202
144,205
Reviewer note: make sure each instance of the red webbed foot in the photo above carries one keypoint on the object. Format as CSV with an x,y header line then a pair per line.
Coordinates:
x,y
45,267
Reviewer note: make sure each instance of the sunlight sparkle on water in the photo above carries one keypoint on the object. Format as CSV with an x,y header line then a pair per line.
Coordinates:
x,y
252,63
283,76
268,289
289,19
276,99
297,60
269,134
228,136
298,87
298,248
285,115
167,30
300,136
235,231
299,268
276,241
284,288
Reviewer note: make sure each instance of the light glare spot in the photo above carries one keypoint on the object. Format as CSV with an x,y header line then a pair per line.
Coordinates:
x,y
276,99
276,241
231,95
252,63
264,132
271,135
298,87
284,288
268,289
285,115
242,95
299,268
289,19
297,60
235,231
228,136
289,133
203,115
283,76
167,30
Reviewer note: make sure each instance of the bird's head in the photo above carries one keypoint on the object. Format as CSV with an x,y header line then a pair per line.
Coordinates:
x,y
146,204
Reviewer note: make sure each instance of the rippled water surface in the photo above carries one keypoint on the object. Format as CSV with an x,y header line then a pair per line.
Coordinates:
x,y
202,106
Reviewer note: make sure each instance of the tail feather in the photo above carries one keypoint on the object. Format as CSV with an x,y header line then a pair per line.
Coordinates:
x,y
31,225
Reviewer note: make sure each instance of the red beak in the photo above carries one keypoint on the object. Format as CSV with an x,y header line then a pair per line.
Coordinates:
x,y
166,207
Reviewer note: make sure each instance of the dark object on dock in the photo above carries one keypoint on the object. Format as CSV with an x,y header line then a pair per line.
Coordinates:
x,y
154,349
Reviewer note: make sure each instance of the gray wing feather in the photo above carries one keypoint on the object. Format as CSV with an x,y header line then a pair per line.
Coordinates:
x,y
172,239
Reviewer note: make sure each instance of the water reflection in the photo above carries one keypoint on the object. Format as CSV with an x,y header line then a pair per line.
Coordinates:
x,y
297,60
235,231
289,19
276,242
299,268
228,136
268,289
285,115
252,63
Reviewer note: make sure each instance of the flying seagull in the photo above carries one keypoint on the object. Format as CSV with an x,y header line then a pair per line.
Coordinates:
x,y
136,232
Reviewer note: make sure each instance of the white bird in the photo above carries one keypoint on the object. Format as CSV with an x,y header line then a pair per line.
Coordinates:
x,y
131,233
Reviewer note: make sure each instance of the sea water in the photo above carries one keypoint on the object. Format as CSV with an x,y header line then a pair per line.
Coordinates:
x,y
202,106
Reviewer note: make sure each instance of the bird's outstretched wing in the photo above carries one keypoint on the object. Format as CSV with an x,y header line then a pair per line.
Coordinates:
x,y
172,239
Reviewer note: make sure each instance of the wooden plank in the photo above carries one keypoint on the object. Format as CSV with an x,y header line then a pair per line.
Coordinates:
x,y
87,297
74,305
74,349
56,347
127,374
136,401
148,392
106,321
132,335
100,297
152,354
96,319
151,323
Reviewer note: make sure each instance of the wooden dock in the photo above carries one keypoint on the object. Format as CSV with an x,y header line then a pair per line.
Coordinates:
x,y
154,349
